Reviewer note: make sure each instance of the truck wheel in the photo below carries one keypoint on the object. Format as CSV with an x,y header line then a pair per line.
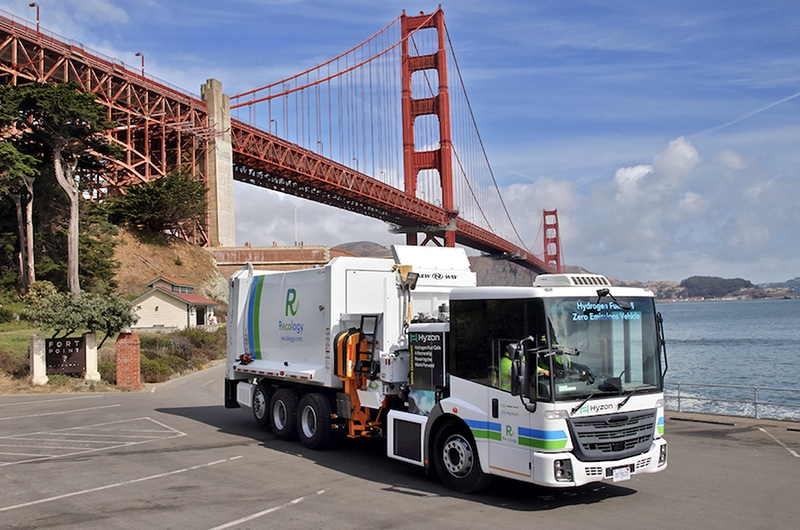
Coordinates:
x,y
314,421
456,459
261,399
283,413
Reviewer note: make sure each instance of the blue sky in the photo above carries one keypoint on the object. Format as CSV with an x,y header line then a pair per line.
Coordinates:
x,y
667,135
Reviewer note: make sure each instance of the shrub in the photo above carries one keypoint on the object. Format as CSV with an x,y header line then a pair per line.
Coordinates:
x,y
154,371
150,354
14,365
183,346
108,371
156,342
198,337
58,379
176,364
6,315
66,313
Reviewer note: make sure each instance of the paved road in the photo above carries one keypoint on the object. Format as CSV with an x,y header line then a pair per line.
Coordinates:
x,y
172,457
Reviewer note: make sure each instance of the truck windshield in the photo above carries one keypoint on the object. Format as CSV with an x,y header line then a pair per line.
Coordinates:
x,y
598,347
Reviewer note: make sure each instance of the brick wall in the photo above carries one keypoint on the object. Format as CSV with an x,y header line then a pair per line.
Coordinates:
x,y
128,370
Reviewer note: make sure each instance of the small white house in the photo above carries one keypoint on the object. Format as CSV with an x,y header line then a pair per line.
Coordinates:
x,y
172,303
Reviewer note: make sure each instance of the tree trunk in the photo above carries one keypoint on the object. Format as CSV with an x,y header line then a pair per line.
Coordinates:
x,y
30,267
31,259
23,244
64,175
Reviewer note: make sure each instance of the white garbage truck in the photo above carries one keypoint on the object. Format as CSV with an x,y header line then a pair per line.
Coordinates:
x,y
557,384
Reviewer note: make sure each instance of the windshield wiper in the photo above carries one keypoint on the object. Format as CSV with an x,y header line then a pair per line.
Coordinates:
x,y
557,350
577,407
544,351
626,306
622,403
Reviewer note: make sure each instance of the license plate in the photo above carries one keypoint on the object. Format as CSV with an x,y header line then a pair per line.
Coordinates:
x,y
622,473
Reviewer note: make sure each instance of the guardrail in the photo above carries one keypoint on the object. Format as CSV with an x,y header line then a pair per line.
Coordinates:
x,y
733,400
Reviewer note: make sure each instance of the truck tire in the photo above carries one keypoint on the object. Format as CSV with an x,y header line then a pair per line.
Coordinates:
x,y
456,459
283,413
314,421
262,396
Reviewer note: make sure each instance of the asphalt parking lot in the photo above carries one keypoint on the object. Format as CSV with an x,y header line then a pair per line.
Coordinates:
x,y
171,456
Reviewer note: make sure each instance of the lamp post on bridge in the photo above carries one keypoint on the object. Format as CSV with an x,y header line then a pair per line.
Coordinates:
x,y
34,4
140,54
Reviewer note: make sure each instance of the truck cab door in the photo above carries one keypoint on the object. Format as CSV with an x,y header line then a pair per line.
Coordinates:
x,y
506,453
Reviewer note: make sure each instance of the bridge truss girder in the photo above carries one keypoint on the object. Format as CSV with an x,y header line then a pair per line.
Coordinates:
x,y
158,127
267,161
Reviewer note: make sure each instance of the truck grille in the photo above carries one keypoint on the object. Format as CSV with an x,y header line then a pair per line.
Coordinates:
x,y
612,436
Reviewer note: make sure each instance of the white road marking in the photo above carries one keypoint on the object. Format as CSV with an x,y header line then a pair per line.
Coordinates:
x,y
791,451
109,486
153,390
265,512
46,401
81,440
57,413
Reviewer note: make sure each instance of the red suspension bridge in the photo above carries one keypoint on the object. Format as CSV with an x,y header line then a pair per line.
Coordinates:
x,y
384,129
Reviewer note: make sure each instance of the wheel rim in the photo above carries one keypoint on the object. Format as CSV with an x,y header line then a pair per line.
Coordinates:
x,y
308,422
279,415
259,405
458,456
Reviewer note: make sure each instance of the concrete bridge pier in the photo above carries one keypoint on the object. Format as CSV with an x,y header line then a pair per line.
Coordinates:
x,y
222,228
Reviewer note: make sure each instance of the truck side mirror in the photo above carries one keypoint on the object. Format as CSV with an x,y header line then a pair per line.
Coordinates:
x,y
519,377
515,377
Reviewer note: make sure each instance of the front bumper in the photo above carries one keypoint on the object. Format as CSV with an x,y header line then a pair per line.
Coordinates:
x,y
544,467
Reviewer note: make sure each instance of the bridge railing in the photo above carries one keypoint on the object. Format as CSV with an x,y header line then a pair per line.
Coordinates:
x,y
733,400
10,21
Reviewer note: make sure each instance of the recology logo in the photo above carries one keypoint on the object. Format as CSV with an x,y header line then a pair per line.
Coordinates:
x,y
291,300
295,329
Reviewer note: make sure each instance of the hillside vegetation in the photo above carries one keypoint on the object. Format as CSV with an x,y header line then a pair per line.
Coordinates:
x,y
142,258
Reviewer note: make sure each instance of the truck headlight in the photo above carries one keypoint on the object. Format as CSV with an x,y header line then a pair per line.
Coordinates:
x,y
556,415
662,456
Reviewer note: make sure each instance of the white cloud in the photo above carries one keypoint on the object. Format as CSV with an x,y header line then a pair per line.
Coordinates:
x,y
692,205
671,219
730,159
97,11
628,181
265,217
676,161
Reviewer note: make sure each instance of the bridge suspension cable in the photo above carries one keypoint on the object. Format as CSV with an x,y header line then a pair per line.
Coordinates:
x,y
482,168
348,109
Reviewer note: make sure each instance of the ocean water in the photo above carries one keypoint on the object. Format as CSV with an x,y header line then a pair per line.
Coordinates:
x,y
752,344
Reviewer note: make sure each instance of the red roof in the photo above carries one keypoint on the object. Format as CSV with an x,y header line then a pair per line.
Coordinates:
x,y
193,299
173,281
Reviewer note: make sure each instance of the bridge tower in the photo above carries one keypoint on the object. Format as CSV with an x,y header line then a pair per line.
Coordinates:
x,y
438,105
552,240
